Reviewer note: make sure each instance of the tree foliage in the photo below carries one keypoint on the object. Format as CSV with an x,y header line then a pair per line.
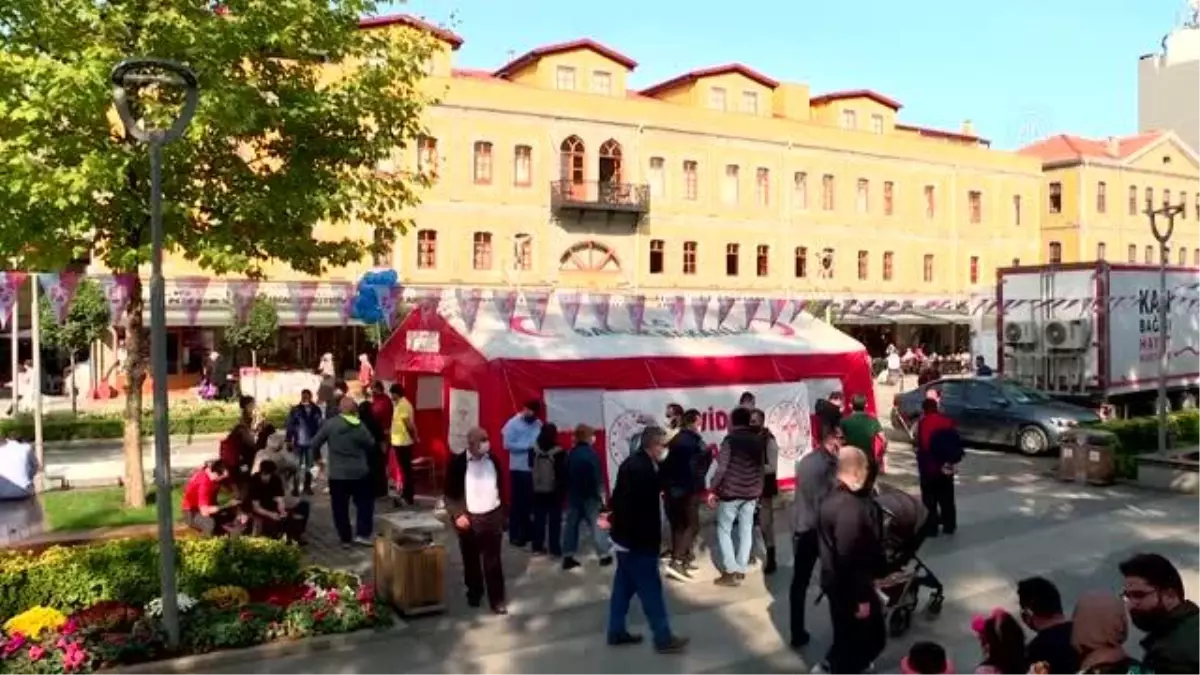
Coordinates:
x,y
87,319
298,106
257,329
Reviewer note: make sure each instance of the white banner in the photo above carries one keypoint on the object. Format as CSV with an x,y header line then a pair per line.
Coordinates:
x,y
788,408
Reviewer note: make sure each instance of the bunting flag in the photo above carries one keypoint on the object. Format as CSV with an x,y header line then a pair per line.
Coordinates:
x,y
600,303
797,307
346,294
536,303
191,296
302,295
636,306
699,310
60,290
774,309
118,291
568,303
676,305
505,303
242,292
10,290
750,307
468,305
724,306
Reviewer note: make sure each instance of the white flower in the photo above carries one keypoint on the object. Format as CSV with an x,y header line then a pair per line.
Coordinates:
x,y
183,601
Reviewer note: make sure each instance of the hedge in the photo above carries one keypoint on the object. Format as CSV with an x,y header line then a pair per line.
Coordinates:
x,y
127,570
1139,435
184,420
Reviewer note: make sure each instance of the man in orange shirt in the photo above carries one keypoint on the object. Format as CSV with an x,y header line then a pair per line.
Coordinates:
x,y
199,504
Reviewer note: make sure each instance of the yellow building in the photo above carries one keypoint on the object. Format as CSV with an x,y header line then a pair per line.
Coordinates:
x,y
1095,194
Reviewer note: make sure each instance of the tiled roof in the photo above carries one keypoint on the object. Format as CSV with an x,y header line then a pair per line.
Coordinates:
x,y
411,21
856,93
1065,147
692,76
535,55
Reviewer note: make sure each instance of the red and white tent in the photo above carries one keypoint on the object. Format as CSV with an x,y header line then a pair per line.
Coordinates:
x,y
611,362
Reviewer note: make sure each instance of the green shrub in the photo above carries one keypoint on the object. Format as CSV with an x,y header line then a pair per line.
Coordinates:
x,y
186,419
127,570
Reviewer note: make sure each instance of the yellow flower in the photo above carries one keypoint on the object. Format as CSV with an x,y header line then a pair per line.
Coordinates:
x,y
33,621
226,596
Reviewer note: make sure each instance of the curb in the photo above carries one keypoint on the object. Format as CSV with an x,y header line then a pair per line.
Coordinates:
x,y
203,663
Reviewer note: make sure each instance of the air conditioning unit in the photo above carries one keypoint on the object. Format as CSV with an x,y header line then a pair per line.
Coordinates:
x,y
1019,333
1072,335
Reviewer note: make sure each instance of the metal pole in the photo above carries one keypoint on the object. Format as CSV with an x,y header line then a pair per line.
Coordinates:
x,y
35,327
140,72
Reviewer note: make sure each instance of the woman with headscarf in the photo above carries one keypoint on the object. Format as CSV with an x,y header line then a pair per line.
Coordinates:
x,y
1098,633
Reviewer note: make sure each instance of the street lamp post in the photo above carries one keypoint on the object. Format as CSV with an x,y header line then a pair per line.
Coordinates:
x,y
1167,213
133,74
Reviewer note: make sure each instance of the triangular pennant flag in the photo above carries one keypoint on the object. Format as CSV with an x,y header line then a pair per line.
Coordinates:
x,y
600,303
724,306
468,305
10,290
505,303
568,304
750,307
60,290
676,305
118,290
242,292
636,306
699,310
302,295
191,296
774,309
536,303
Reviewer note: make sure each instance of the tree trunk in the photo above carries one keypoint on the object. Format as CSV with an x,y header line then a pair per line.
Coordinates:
x,y
74,400
135,376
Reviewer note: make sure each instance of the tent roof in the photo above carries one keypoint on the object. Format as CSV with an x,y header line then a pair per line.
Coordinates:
x,y
495,339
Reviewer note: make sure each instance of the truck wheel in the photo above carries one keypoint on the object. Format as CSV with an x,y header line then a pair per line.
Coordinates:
x,y
1032,441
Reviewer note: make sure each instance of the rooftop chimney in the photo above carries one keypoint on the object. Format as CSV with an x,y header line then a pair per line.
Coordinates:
x,y
968,128
1114,146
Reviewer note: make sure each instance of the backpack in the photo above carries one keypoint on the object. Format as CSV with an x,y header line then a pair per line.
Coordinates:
x,y
545,475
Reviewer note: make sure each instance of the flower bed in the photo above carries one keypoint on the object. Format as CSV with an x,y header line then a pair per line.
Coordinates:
x,y
79,632
186,419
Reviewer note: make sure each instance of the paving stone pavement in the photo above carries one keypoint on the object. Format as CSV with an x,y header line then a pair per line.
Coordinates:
x,y
1014,522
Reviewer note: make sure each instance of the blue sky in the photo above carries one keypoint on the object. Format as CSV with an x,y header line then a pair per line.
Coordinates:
x,y
1019,69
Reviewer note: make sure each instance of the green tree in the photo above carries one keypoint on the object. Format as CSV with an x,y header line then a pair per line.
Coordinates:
x,y
256,331
87,321
280,142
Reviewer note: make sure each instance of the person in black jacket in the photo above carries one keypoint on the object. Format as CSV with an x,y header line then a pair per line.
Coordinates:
x,y
636,528
682,474
852,558
473,502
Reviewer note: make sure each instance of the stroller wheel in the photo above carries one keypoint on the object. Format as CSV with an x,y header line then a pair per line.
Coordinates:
x,y
899,620
935,603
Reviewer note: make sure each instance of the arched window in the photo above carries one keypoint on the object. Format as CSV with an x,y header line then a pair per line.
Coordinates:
x,y
610,162
573,159
589,256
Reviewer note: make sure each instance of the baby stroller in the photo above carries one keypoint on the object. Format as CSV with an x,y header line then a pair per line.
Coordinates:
x,y
903,528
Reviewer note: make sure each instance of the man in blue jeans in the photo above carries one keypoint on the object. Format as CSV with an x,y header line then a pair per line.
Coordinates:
x,y
636,528
520,435
736,487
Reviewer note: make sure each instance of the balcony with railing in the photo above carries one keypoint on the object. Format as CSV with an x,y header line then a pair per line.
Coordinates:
x,y
600,197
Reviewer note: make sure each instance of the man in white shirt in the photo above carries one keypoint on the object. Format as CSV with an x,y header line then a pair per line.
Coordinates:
x,y
18,466
474,505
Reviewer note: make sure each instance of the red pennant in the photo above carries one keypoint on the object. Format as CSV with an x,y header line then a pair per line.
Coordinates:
x,y
636,306
303,294
600,303
774,309
536,303
191,296
10,290
724,306
60,290
676,306
699,310
506,304
468,305
242,292
568,304
118,291
750,307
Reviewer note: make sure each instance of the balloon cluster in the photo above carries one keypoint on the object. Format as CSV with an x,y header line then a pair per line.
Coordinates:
x,y
369,304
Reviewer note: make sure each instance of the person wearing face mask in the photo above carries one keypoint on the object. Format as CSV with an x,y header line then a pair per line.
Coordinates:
x,y
1099,633
636,528
1157,606
1042,612
520,434
849,533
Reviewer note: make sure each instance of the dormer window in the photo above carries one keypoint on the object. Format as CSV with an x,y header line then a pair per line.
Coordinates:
x,y
849,119
877,124
601,82
716,98
565,78
750,102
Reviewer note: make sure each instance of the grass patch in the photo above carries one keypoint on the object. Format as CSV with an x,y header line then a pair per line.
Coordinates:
x,y
92,508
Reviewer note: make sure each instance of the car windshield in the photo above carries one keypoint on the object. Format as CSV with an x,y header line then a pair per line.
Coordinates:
x,y
1021,394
